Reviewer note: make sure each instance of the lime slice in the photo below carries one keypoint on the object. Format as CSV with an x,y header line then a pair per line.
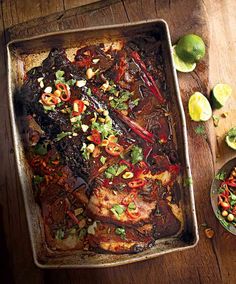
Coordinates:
x,y
220,94
230,138
190,48
180,65
199,107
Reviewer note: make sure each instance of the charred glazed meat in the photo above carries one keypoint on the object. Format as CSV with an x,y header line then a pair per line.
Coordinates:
x,y
101,147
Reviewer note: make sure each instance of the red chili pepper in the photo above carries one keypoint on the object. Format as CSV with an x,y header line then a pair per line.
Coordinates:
x,y
128,164
223,202
121,69
129,198
72,216
174,169
147,78
230,183
65,93
114,149
137,183
49,99
133,214
84,62
78,107
96,137
144,169
139,130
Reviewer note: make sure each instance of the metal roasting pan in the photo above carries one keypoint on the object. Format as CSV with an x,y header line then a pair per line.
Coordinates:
x,y
23,54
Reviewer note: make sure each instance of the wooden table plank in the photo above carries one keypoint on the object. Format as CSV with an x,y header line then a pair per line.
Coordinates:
x,y
209,261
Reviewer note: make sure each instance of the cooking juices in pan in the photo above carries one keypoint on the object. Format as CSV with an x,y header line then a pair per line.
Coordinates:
x,y
100,144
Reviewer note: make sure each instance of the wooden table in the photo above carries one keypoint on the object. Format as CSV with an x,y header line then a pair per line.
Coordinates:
x,y
213,260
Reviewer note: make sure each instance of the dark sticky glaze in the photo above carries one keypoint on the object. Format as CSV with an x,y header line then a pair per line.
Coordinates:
x,y
120,194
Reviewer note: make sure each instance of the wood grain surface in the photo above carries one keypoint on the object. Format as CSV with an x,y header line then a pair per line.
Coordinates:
x,y
213,260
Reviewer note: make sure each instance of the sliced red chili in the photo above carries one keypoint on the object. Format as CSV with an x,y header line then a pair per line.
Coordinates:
x,y
114,149
230,183
96,137
134,213
65,93
129,198
78,107
128,164
137,183
49,99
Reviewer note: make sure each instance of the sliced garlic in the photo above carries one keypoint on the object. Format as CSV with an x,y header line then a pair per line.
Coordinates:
x,y
84,127
96,60
40,79
90,148
90,73
105,87
41,84
48,90
80,83
91,228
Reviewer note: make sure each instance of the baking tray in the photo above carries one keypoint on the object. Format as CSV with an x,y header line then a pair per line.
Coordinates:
x,y
23,54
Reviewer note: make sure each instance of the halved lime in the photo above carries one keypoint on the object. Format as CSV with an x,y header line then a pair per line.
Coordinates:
x,y
180,65
190,48
230,138
199,107
220,94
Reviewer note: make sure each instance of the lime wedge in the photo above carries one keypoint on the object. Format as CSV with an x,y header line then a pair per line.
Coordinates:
x,y
220,94
230,138
180,65
199,107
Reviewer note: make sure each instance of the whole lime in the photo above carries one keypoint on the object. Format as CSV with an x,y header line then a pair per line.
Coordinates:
x,y
191,48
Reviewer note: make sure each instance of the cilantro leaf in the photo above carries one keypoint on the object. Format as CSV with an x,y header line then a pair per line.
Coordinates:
x,y
41,149
221,176
136,155
62,135
121,232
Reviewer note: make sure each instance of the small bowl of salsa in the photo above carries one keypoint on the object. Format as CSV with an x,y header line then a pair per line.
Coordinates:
x,y
223,196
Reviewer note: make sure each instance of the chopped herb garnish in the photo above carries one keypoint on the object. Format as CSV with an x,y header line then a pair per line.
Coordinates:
x,y
221,176
60,104
118,210
49,108
120,103
216,120
61,79
38,179
114,171
132,206
89,92
71,82
41,149
200,130
62,135
103,160
136,155
82,233
105,129
85,153
121,232
135,102
59,234
188,181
